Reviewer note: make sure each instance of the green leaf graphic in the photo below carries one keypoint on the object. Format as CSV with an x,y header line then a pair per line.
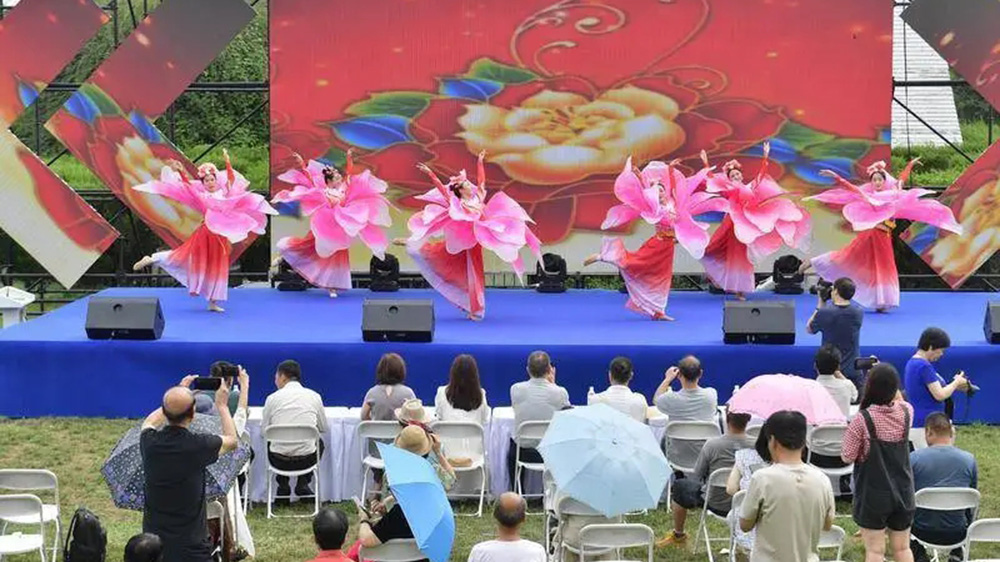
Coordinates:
x,y
800,136
104,103
403,104
489,69
850,149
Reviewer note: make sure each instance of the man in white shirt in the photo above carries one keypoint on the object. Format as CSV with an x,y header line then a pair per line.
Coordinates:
x,y
508,546
789,503
536,399
293,404
828,375
618,395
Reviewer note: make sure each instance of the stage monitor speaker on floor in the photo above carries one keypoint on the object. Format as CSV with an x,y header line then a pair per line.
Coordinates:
x,y
397,320
770,322
124,318
991,324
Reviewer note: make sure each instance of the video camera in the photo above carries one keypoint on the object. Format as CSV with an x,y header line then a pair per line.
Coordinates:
x,y
824,289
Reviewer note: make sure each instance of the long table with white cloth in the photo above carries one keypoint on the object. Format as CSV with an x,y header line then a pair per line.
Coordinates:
x,y
340,474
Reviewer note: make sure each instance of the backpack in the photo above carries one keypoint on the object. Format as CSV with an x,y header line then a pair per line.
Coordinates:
x,y
86,540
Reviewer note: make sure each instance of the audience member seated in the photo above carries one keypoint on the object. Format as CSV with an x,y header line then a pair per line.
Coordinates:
x,y
174,462
790,502
840,324
509,513
417,440
828,374
941,465
925,388
691,403
748,461
205,399
329,532
689,493
877,443
536,399
293,404
618,395
144,547
389,393
463,398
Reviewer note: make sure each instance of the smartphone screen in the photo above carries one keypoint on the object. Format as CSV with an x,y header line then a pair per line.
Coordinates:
x,y
206,383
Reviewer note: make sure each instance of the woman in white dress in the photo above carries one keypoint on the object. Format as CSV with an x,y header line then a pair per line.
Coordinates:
x,y
463,399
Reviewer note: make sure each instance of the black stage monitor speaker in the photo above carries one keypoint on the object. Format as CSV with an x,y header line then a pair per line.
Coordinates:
x,y
759,322
124,318
397,320
991,324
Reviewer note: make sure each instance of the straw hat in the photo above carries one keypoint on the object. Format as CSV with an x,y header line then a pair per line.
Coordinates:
x,y
414,439
412,411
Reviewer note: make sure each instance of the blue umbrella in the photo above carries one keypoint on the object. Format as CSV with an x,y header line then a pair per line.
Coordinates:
x,y
420,494
605,459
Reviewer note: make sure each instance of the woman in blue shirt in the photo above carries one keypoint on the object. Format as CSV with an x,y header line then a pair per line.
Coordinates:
x,y
925,388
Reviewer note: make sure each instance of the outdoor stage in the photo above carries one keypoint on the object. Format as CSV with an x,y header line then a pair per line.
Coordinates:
x,y
49,367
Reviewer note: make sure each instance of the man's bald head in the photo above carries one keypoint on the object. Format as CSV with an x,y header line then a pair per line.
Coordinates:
x,y
510,510
178,405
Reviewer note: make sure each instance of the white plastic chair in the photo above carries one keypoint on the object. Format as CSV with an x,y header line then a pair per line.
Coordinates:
x,y
734,522
246,474
824,439
567,506
377,431
947,499
396,550
833,539
467,435
30,480
918,438
213,512
982,531
617,536
717,479
292,434
686,431
28,508
530,430
753,430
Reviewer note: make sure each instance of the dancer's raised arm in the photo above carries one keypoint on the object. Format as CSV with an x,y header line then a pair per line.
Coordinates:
x,y
230,173
840,180
437,181
764,163
349,165
905,174
481,174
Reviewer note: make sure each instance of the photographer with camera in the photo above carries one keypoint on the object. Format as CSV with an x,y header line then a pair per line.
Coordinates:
x,y
925,388
839,320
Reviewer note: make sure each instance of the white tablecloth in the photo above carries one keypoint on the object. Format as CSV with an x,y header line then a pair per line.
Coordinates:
x,y
341,471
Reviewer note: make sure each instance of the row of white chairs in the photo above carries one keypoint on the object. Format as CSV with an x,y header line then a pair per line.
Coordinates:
x,y
25,508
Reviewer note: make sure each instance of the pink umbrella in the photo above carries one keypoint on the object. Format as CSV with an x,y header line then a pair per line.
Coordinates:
x,y
767,394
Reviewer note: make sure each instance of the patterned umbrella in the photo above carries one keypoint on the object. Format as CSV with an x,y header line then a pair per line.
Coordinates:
x,y
125,477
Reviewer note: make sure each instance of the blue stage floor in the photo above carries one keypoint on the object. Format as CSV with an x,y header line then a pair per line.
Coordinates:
x,y
49,367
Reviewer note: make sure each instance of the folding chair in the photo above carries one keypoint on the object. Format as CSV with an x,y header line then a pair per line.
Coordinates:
x,y
717,479
28,508
292,434
617,536
918,439
246,474
834,538
30,480
396,550
534,431
384,431
947,499
467,436
570,507
215,512
734,522
753,430
982,531
697,432
828,440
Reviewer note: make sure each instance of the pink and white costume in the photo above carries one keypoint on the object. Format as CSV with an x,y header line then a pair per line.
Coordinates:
x,y
454,265
355,207
663,197
231,213
869,260
759,218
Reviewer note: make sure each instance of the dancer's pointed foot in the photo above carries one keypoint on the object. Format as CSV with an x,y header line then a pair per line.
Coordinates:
x,y
741,296
214,307
882,310
590,260
333,293
145,262
664,317
474,318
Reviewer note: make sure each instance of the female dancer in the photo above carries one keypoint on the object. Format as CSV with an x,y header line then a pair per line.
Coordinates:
x,y
231,213
663,197
872,209
339,208
468,222
759,218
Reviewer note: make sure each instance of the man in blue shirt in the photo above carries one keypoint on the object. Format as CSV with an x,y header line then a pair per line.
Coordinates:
x,y
925,389
840,324
941,465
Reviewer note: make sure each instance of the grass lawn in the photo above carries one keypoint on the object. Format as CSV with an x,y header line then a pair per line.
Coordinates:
x,y
75,449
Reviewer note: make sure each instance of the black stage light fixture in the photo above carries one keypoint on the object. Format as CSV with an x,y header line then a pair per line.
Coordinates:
x,y
787,278
384,274
287,279
551,273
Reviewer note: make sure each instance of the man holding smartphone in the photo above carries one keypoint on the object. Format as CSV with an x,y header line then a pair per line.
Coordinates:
x,y
840,323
